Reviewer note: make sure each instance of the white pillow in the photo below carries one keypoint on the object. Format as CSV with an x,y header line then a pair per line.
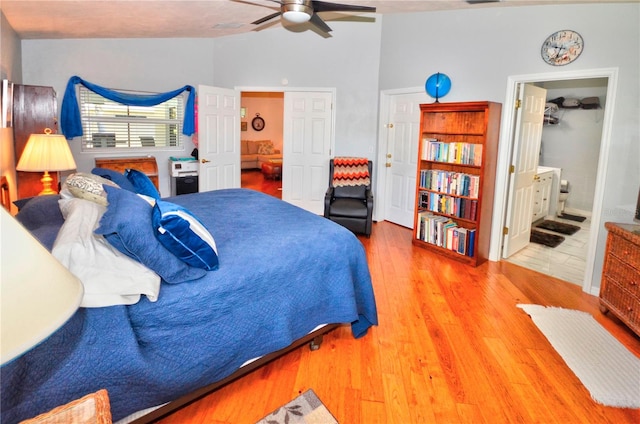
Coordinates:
x,y
109,277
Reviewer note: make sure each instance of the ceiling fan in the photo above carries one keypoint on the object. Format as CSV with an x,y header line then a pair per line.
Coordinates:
x,y
300,11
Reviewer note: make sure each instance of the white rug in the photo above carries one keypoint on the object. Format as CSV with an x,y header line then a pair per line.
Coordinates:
x,y
606,368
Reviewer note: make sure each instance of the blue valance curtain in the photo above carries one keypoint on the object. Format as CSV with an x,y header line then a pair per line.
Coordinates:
x,y
71,123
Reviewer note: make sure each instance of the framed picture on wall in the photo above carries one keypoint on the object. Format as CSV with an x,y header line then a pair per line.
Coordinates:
x,y
243,126
7,103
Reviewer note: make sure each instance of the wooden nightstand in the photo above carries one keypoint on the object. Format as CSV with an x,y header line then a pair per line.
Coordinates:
x,y
620,285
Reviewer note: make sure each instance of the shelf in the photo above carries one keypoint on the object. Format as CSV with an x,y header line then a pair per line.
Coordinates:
x,y
466,135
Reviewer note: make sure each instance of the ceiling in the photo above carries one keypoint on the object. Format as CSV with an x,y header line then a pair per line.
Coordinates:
x,y
54,19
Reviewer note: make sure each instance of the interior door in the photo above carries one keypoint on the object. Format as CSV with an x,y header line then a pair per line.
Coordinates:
x,y
524,167
403,129
308,127
219,138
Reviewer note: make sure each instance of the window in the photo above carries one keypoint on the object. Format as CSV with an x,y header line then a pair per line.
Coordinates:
x,y
110,125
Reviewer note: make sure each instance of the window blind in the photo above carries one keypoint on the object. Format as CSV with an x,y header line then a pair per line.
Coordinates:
x,y
110,125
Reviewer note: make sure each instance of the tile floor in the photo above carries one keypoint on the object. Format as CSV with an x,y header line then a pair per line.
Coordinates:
x,y
566,261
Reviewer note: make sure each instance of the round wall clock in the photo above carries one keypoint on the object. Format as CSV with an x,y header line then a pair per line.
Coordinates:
x,y
257,123
562,47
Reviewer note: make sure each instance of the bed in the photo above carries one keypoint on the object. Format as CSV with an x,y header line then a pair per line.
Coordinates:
x,y
284,277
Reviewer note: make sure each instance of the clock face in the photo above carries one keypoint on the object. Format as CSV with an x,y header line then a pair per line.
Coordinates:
x,y
257,123
562,47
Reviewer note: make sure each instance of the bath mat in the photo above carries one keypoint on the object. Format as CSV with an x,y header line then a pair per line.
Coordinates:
x,y
570,217
305,409
540,237
605,367
558,227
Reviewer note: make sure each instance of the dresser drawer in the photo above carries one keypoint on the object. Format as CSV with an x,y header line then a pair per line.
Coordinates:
x,y
623,275
622,303
626,251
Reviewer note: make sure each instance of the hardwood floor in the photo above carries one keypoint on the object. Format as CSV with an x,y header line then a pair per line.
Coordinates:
x,y
253,179
451,347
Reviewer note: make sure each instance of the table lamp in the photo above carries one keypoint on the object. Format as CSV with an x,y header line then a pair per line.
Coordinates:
x,y
38,294
46,152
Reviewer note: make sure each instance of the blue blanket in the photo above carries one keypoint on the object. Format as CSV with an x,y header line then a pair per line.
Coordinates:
x,y
283,271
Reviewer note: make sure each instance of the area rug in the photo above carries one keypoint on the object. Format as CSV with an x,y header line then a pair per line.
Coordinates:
x,y
540,237
571,217
305,409
605,367
558,227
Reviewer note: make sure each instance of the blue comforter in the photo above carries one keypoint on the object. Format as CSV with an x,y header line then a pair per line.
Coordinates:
x,y
283,271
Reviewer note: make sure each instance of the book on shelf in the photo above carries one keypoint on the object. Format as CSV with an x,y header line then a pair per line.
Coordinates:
x,y
444,232
451,152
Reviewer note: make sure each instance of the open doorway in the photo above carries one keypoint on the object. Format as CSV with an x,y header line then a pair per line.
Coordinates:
x,y
507,140
566,178
261,139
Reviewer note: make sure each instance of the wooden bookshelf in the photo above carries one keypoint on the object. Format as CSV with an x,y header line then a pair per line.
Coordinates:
x,y
457,155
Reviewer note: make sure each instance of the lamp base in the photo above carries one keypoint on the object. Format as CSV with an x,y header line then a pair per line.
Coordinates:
x,y
46,181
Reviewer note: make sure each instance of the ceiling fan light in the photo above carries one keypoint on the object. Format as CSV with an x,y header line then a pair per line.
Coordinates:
x,y
296,17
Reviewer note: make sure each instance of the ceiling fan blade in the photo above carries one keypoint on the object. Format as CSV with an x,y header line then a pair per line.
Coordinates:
x,y
319,23
322,6
266,18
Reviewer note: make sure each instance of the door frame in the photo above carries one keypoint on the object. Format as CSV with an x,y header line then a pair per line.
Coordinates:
x,y
381,181
507,144
332,90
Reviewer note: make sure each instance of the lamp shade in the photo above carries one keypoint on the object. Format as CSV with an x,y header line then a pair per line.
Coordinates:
x,y
38,294
46,152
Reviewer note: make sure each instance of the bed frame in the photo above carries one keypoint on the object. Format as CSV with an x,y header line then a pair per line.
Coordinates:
x,y
314,339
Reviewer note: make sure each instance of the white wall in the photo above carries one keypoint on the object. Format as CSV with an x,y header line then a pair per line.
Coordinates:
x,y
10,61
480,49
573,144
142,64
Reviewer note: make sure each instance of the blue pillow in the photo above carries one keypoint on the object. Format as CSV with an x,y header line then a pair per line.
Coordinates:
x,y
184,235
114,176
127,226
142,183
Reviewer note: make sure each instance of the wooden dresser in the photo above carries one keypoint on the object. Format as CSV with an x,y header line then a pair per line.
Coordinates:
x,y
144,164
620,285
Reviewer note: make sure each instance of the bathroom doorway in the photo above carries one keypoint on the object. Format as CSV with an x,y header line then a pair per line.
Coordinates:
x,y
604,79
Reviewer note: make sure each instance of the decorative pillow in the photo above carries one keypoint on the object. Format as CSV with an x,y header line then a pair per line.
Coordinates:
x,y
184,235
114,176
87,186
41,216
127,226
265,148
141,183
109,277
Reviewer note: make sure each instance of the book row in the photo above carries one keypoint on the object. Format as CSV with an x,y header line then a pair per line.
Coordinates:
x,y
456,183
456,152
443,232
454,206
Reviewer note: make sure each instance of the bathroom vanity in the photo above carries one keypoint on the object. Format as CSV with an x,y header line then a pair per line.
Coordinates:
x,y
542,194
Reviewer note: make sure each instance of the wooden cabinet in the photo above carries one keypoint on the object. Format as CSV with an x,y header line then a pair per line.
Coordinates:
x,y
541,195
144,164
34,109
620,285
457,156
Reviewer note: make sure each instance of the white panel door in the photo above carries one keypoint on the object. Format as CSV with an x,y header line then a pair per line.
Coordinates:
x,y
307,148
528,131
219,138
403,133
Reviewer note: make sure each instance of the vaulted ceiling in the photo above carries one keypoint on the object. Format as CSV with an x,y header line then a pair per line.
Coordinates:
x,y
54,19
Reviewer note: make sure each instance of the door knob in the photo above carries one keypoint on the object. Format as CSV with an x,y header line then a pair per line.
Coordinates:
x,y
388,164
389,155
390,125
204,161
